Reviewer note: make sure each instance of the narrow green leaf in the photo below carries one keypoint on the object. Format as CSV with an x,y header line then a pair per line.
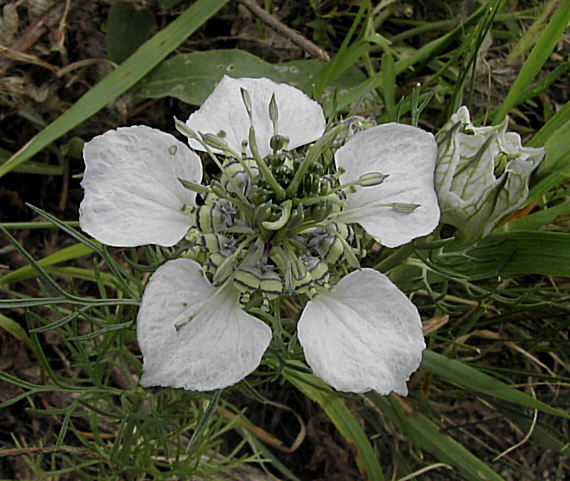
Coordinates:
x,y
48,301
388,81
544,186
267,454
105,278
205,419
335,407
539,434
333,68
39,169
557,151
544,83
129,25
120,80
66,254
557,121
538,219
532,34
536,59
35,225
13,328
426,435
525,252
469,377
425,54
72,299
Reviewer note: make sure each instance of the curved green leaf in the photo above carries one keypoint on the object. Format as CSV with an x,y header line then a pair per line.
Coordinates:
x,y
343,419
68,253
536,59
12,327
191,77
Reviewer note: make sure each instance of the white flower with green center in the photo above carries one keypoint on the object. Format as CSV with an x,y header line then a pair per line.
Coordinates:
x,y
482,175
277,220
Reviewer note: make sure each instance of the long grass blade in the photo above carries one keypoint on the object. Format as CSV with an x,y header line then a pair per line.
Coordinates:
x,y
426,435
150,54
342,418
535,61
471,378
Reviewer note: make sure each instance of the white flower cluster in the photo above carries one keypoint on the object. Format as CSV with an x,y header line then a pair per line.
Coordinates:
x,y
277,220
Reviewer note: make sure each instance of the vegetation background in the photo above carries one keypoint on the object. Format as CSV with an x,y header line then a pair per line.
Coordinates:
x,y
492,398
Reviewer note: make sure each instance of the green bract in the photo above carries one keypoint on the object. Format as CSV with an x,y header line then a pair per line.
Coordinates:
x,y
482,175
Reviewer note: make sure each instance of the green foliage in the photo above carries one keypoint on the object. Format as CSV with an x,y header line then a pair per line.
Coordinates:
x,y
124,77
496,312
191,77
129,25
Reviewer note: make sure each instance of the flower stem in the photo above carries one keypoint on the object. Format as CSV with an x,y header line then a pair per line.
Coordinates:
x,y
264,169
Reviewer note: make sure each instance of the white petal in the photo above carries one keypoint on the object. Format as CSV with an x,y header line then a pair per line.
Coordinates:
x,y
365,336
408,155
221,344
132,193
300,118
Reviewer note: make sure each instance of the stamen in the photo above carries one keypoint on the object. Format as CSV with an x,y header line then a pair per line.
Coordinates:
x,y
399,206
198,188
367,180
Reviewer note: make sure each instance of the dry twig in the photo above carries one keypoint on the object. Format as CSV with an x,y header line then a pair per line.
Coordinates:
x,y
284,30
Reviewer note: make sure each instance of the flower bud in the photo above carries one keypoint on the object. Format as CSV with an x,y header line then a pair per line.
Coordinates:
x,y
277,142
297,217
214,141
371,179
322,210
482,175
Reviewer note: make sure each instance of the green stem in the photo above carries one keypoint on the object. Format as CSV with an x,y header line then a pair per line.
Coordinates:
x,y
395,259
35,225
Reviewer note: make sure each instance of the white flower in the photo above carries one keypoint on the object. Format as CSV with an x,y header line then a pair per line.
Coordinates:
x,y
362,334
482,175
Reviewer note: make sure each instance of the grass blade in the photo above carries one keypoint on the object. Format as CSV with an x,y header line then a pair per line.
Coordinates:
x,y
524,252
426,435
66,254
342,418
536,59
119,81
471,378
12,327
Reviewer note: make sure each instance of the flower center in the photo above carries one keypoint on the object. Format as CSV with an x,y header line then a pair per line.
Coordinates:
x,y
268,223
245,231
